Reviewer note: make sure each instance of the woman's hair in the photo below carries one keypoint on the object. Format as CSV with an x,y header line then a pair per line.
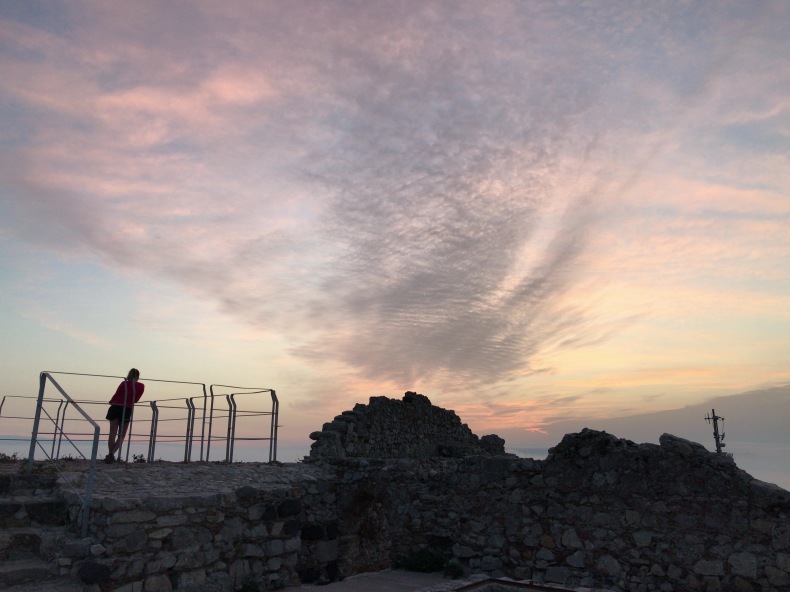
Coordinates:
x,y
134,374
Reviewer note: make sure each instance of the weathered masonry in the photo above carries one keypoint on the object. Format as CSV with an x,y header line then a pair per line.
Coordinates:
x,y
395,477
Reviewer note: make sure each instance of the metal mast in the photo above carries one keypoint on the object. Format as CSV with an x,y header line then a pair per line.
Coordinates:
x,y
719,438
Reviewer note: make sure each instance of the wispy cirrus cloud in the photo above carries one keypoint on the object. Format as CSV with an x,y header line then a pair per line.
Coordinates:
x,y
417,193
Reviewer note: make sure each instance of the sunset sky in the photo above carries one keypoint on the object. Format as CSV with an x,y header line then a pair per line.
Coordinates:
x,y
531,212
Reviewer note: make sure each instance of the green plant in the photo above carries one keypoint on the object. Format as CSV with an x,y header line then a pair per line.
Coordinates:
x,y
9,458
138,458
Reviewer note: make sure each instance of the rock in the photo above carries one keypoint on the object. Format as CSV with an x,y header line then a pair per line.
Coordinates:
x,y
557,575
158,583
192,578
777,577
707,567
643,538
743,564
577,559
609,566
571,539
93,572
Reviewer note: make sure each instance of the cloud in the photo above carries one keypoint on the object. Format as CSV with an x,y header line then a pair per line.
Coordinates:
x,y
413,195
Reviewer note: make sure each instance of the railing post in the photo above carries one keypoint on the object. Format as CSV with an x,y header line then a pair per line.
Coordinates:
x,y
154,427
210,422
232,400
86,506
62,421
55,431
274,426
191,428
203,424
190,421
227,441
34,435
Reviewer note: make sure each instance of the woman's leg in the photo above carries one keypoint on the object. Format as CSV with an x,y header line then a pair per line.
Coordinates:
x,y
123,435
112,438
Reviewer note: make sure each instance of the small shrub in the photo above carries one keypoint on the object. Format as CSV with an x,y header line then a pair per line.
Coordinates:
x,y
9,458
138,458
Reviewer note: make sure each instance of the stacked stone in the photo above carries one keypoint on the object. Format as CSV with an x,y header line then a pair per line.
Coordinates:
x,y
599,512
212,538
411,428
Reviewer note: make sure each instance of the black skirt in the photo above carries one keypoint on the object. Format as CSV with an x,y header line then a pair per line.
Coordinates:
x,y
117,412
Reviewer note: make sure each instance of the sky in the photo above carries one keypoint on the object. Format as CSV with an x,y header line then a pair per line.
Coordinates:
x,y
534,213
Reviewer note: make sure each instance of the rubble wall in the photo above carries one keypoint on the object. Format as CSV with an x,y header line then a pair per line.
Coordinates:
x,y
409,428
599,512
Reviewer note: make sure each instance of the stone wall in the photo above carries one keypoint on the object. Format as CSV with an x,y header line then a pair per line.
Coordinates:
x,y
215,538
411,428
598,512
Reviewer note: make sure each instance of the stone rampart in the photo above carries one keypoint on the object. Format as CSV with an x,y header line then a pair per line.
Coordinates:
x,y
598,512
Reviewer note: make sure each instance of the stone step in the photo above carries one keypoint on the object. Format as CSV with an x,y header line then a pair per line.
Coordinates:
x,y
12,484
25,569
40,542
20,511
61,584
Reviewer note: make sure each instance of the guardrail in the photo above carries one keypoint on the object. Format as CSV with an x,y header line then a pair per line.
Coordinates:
x,y
58,430
194,419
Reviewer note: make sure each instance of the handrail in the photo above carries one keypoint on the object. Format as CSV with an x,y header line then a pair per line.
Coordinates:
x,y
129,441
187,404
86,502
232,410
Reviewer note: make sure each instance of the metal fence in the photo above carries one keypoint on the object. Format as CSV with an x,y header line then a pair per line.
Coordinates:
x,y
206,417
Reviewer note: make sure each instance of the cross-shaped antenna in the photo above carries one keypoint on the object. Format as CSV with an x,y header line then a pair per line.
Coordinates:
x,y
719,438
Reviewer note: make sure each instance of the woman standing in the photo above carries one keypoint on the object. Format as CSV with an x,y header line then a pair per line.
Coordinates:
x,y
120,412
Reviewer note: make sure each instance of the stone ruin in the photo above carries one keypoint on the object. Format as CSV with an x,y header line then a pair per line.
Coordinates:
x,y
411,428
599,511
393,480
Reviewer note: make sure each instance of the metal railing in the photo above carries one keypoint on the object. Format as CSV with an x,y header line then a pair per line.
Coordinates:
x,y
233,414
198,418
58,435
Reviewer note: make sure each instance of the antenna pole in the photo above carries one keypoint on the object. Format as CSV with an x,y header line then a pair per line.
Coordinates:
x,y
719,438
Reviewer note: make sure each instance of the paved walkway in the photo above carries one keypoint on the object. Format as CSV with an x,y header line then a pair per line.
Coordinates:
x,y
138,480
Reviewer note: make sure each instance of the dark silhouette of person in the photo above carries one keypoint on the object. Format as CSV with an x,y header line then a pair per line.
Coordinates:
x,y
120,411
